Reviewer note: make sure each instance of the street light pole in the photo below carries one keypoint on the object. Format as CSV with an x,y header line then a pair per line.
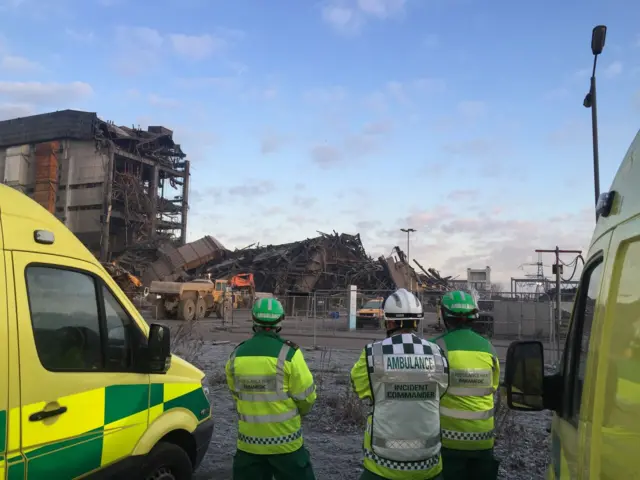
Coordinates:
x,y
408,231
598,36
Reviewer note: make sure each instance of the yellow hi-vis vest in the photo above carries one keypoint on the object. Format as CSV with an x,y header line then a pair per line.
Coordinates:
x,y
466,410
404,376
272,387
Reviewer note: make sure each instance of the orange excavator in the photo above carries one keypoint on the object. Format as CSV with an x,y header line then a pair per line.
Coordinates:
x,y
244,288
127,281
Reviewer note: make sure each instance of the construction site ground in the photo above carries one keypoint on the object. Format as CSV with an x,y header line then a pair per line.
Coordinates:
x,y
333,431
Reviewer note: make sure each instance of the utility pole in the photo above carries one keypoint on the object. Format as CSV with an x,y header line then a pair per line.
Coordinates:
x,y
557,270
408,231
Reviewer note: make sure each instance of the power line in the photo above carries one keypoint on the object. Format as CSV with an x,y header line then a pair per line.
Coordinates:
x,y
557,270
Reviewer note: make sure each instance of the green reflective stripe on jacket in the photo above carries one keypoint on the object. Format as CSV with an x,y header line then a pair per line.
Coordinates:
x,y
3,431
467,408
272,387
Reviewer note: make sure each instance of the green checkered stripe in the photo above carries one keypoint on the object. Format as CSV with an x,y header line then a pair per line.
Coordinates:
x,y
83,454
3,434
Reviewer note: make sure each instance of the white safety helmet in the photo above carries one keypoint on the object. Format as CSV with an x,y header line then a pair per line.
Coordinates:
x,y
403,307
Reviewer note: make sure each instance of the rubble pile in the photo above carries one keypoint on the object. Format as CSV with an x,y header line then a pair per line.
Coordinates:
x,y
431,280
129,283
327,262
323,263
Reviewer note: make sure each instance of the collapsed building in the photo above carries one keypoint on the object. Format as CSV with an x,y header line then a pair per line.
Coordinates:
x,y
122,191
328,262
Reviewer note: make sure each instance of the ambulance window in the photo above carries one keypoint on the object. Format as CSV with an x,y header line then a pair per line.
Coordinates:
x,y
580,335
622,395
65,319
119,330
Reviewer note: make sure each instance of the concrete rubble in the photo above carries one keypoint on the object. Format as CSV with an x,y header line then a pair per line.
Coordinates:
x,y
326,262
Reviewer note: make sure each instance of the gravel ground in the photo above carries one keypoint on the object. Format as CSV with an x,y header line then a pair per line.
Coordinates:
x,y
333,430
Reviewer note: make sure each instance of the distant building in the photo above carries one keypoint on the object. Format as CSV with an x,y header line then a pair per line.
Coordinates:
x,y
477,278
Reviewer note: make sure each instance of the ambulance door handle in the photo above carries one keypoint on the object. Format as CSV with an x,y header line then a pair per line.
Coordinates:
x,y
44,414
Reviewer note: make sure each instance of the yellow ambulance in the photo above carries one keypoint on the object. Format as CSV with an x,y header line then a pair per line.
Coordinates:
x,y
595,395
87,388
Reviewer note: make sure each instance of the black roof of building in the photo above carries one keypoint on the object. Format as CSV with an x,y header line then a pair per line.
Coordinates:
x,y
71,124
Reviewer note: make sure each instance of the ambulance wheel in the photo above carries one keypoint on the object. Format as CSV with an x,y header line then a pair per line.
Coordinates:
x,y
167,462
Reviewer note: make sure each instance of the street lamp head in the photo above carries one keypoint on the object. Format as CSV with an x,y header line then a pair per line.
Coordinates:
x,y
598,37
407,230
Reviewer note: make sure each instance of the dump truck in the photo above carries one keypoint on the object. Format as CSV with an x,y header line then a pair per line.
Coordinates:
x,y
188,301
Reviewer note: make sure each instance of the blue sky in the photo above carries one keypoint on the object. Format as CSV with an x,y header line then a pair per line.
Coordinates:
x,y
460,119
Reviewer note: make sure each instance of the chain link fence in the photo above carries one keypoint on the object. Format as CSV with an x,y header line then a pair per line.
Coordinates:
x,y
504,317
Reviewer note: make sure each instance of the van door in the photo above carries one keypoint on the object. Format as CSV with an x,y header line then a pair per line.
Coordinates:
x,y
83,407
568,425
616,419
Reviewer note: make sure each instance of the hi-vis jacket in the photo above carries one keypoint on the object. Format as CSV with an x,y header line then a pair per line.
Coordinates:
x,y
272,386
404,376
466,411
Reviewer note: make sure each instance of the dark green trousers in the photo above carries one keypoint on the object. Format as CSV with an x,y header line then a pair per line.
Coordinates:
x,y
367,475
469,464
287,466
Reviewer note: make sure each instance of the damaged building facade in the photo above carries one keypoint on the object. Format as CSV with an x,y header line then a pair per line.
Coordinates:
x,y
116,188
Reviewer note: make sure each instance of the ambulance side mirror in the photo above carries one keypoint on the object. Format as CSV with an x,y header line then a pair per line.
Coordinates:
x,y
524,376
159,349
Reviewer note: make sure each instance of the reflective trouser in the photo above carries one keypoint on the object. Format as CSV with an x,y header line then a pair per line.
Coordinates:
x,y
469,464
287,466
367,475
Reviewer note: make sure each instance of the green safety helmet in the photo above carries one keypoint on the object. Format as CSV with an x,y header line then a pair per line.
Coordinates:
x,y
267,312
460,305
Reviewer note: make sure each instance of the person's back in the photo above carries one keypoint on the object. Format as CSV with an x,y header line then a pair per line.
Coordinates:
x,y
467,409
404,377
273,388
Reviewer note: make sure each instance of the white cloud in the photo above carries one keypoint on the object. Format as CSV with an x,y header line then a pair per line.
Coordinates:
x,y
16,64
349,16
196,47
139,37
249,189
49,94
613,70
142,49
381,8
343,19
353,145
